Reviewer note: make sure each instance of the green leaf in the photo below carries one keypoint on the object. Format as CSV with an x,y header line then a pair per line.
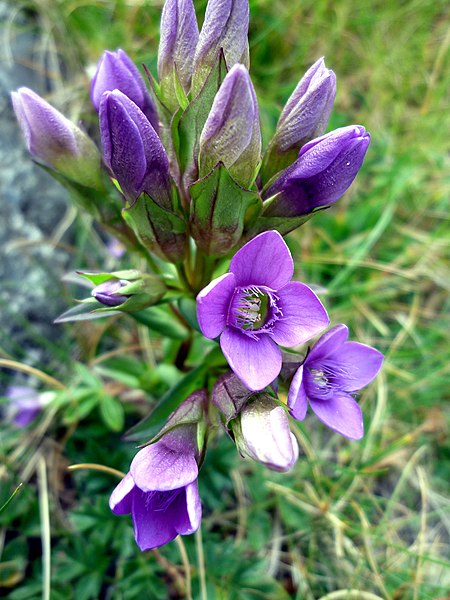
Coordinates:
x,y
86,310
159,319
2,508
112,413
192,381
218,211
191,122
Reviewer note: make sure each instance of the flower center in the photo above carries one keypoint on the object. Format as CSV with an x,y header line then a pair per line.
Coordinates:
x,y
324,380
254,310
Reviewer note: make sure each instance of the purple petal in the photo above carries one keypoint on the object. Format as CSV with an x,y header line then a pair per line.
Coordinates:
x,y
264,260
304,316
152,526
123,147
212,305
157,467
297,401
257,362
360,363
178,40
120,500
341,414
328,343
187,510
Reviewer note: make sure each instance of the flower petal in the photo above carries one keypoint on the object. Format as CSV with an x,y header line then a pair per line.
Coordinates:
x,y
341,414
187,510
304,315
361,364
212,305
121,499
328,343
297,401
157,467
265,260
152,527
257,362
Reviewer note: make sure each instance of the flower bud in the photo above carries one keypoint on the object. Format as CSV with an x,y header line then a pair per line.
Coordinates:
x,y
262,432
324,170
116,71
231,134
225,27
54,140
133,150
179,36
307,111
108,292
128,290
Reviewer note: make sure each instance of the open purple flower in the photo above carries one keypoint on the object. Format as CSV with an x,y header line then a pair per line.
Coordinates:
x,y
331,373
25,404
257,307
160,490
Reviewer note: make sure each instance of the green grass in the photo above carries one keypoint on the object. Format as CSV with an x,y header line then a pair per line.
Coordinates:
x,y
371,516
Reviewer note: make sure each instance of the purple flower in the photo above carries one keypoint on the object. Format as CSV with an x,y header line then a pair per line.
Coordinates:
x,y
307,111
261,432
232,133
160,490
108,292
179,36
324,170
54,140
256,306
133,150
225,27
25,404
116,71
331,373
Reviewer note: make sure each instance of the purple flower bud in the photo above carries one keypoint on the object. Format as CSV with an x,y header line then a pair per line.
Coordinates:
x,y
225,27
333,371
116,71
54,140
307,111
133,150
232,133
179,36
261,432
160,490
108,292
324,170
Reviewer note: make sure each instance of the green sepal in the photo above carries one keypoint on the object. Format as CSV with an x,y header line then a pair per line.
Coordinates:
x,y
192,120
159,230
218,210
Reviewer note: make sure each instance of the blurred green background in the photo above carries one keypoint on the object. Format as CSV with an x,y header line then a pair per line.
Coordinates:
x,y
367,520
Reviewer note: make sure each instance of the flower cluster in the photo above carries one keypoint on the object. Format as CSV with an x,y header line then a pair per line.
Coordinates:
x,y
193,187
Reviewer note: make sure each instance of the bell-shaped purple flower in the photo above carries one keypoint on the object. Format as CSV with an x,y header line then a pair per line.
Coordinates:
x,y
54,140
324,170
262,432
225,28
232,133
160,491
332,372
307,111
116,71
179,37
256,307
133,150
